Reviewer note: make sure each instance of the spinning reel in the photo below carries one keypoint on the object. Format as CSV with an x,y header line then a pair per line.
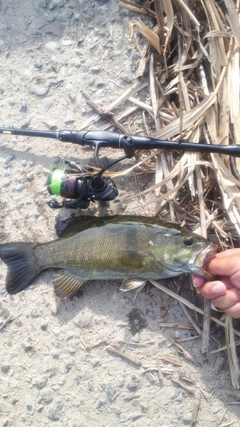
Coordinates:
x,y
70,185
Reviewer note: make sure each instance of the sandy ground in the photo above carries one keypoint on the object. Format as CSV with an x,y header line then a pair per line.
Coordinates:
x,y
55,364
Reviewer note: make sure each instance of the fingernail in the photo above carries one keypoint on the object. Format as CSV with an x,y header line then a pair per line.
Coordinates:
x,y
194,282
197,281
219,288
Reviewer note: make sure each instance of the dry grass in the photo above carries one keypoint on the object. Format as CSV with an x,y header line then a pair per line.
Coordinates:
x,y
197,85
189,62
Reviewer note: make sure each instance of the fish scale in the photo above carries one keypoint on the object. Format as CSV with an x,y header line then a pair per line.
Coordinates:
x,y
98,249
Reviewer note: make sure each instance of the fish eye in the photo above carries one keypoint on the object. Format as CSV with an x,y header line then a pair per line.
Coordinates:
x,y
188,241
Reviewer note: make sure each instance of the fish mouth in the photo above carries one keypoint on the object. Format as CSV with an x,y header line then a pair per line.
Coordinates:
x,y
200,262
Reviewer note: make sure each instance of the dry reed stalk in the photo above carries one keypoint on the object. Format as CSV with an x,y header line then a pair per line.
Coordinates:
x,y
125,356
232,354
160,21
171,360
194,90
196,406
184,386
132,7
236,343
195,326
174,325
107,115
160,373
184,352
188,304
138,86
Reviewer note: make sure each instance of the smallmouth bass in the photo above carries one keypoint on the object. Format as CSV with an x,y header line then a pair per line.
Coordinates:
x,y
128,248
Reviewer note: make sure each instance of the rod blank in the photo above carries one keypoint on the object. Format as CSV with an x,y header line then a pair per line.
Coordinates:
x,y
112,139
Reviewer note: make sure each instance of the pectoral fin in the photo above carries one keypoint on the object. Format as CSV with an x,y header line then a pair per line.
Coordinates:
x,y
66,284
128,285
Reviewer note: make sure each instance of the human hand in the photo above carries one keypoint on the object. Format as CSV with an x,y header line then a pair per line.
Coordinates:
x,y
224,292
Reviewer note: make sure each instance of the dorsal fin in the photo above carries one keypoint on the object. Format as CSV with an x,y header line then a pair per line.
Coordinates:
x,y
72,225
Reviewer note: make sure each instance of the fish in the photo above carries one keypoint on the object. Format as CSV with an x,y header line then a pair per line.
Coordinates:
x,y
132,249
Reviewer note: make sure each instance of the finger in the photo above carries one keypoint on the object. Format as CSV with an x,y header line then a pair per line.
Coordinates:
x,y
227,300
229,252
226,266
197,281
227,282
213,289
234,311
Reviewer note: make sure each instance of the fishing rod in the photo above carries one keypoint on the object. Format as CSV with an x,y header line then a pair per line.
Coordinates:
x,y
129,143
91,187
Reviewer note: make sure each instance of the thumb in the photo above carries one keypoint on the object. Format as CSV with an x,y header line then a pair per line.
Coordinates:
x,y
228,266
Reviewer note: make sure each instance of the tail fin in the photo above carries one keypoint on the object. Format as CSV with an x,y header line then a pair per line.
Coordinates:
x,y
22,267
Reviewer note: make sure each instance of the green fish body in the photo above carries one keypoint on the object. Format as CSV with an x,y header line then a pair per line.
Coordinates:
x,y
127,248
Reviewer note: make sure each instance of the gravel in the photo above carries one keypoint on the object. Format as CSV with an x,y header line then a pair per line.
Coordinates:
x,y
55,368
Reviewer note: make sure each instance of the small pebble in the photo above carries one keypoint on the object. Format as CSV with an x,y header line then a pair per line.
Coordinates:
x,y
46,396
51,45
26,122
51,17
187,419
126,79
91,81
55,3
134,383
18,188
11,102
150,378
122,418
100,403
109,390
38,64
43,4
5,385
40,383
49,367
83,320
8,159
67,42
29,405
135,338
120,382
34,313
54,410
39,89
5,368
56,160
46,104
44,326
179,398
175,394
69,14
23,106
